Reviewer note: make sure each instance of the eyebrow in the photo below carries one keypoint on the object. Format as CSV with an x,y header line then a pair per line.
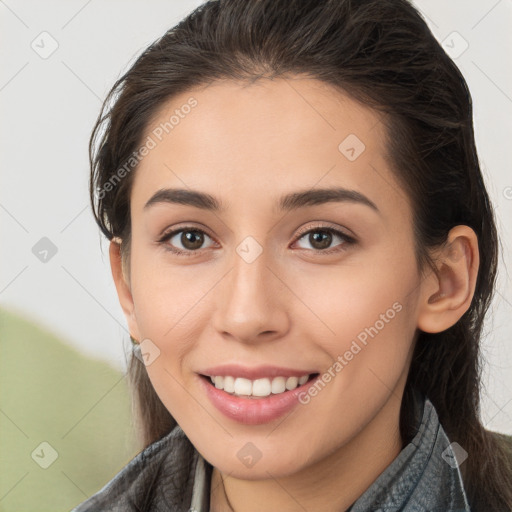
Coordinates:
x,y
288,202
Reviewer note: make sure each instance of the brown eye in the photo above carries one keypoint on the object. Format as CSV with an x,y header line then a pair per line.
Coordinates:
x,y
185,241
321,238
192,240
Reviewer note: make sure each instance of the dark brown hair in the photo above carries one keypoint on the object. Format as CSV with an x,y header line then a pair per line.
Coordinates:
x,y
381,53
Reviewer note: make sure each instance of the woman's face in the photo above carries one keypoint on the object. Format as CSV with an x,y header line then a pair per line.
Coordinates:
x,y
263,283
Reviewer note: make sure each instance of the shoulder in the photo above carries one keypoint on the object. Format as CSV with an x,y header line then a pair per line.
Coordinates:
x,y
160,474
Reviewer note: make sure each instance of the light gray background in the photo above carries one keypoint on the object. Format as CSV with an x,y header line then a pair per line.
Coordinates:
x,y
49,105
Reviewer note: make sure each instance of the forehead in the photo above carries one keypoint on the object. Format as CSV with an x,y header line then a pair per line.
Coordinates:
x,y
298,109
265,137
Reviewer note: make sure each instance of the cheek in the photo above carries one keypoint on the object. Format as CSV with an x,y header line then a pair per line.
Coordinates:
x,y
166,297
167,305
364,321
354,300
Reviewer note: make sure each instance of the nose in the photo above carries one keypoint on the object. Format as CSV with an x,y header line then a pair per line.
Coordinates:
x,y
250,302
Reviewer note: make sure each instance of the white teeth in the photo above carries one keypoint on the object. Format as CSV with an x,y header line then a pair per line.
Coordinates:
x,y
291,382
229,384
243,386
303,380
259,387
278,385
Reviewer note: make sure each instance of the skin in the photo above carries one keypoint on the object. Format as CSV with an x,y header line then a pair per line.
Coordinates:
x,y
248,145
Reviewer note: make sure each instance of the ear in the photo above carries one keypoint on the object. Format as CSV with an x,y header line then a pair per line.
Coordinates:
x,y
123,287
447,294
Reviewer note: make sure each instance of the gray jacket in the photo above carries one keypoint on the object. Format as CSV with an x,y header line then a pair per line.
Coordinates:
x,y
424,477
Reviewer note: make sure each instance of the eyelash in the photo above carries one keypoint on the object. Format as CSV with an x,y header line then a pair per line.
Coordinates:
x,y
347,240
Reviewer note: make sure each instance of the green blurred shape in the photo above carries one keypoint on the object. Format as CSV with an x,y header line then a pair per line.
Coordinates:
x,y
50,393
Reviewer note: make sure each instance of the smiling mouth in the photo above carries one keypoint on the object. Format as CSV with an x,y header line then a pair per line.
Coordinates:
x,y
258,388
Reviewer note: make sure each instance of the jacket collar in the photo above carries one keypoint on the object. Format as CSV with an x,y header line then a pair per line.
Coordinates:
x,y
424,476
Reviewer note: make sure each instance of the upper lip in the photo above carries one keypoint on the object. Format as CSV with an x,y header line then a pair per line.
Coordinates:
x,y
255,372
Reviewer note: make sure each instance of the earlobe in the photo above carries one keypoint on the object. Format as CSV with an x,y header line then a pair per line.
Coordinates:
x,y
447,293
123,287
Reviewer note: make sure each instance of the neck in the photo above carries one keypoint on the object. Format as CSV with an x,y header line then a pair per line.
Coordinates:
x,y
332,484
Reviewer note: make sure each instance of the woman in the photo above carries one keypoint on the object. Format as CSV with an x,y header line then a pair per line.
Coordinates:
x,y
304,249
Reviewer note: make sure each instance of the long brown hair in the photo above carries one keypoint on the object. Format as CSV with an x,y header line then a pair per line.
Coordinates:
x,y
382,53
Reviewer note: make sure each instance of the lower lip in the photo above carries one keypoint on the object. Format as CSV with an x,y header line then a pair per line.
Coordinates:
x,y
254,411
